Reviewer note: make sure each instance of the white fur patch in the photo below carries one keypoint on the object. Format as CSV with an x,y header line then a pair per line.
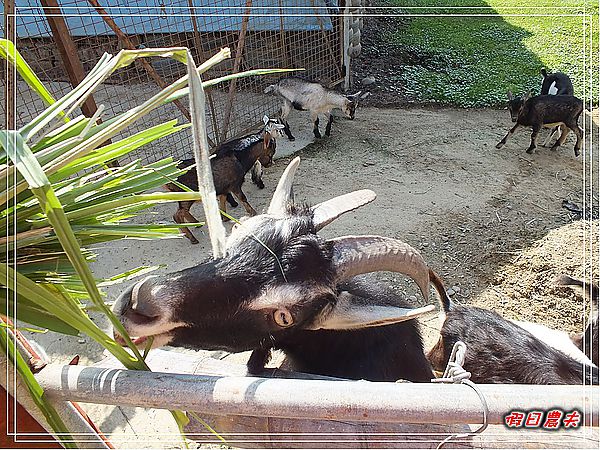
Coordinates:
x,y
559,340
552,90
285,295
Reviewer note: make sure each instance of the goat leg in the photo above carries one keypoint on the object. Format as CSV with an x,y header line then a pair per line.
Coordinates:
x,y
288,131
285,110
550,136
534,135
242,198
579,133
257,172
259,358
328,127
183,215
509,134
564,132
223,206
231,201
316,131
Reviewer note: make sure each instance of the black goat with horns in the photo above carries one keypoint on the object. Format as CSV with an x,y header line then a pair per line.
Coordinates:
x,y
281,285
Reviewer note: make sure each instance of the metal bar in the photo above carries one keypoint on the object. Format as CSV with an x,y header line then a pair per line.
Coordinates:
x,y
9,88
236,67
68,50
357,401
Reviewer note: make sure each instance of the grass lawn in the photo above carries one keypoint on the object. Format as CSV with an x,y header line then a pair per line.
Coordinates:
x,y
473,61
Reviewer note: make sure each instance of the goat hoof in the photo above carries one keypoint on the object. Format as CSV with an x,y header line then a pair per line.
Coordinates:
x,y
260,185
576,152
292,139
225,219
530,150
194,241
499,145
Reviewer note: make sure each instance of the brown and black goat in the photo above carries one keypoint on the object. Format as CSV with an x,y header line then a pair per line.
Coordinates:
x,y
503,351
282,285
229,165
545,111
588,341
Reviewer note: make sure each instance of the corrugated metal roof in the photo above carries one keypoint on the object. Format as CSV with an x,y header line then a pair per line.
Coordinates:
x,y
152,16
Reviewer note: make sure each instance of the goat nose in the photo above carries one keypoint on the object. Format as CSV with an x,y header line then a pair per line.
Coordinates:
x,y
141,307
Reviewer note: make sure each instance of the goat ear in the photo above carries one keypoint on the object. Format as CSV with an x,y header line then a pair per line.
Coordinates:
x,y
326,212
527,96
352,312
267,139
510,95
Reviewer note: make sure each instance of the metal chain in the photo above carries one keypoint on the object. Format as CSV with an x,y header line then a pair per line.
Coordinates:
x,y
455,373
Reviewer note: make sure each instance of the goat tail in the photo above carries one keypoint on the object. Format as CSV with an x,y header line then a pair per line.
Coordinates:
x,y
270,88
438,284
589,291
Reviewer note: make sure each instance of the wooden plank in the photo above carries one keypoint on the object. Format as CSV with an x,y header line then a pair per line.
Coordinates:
x,y
68,50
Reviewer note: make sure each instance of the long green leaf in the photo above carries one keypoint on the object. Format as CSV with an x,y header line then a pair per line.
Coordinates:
x,y
25,162
30,313
141,200
45,299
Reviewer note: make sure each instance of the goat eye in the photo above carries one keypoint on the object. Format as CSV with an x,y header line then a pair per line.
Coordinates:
x,y
283,318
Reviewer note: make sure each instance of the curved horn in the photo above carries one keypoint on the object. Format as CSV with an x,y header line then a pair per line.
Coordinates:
x,y
283,193
326,212
355,255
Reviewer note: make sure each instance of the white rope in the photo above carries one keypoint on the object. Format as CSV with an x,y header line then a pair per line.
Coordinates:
x,y
455,373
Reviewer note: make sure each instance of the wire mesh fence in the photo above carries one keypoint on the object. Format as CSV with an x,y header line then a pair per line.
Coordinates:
x,y
261,34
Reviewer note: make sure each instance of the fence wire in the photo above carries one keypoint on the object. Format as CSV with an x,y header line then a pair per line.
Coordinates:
x,y
261,34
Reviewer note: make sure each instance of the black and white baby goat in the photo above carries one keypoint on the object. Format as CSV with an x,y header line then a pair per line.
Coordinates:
x,y
503,351
282,285
556,83
308,96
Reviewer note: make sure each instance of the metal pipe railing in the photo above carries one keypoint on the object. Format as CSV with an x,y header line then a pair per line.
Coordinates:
x,y
356,401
